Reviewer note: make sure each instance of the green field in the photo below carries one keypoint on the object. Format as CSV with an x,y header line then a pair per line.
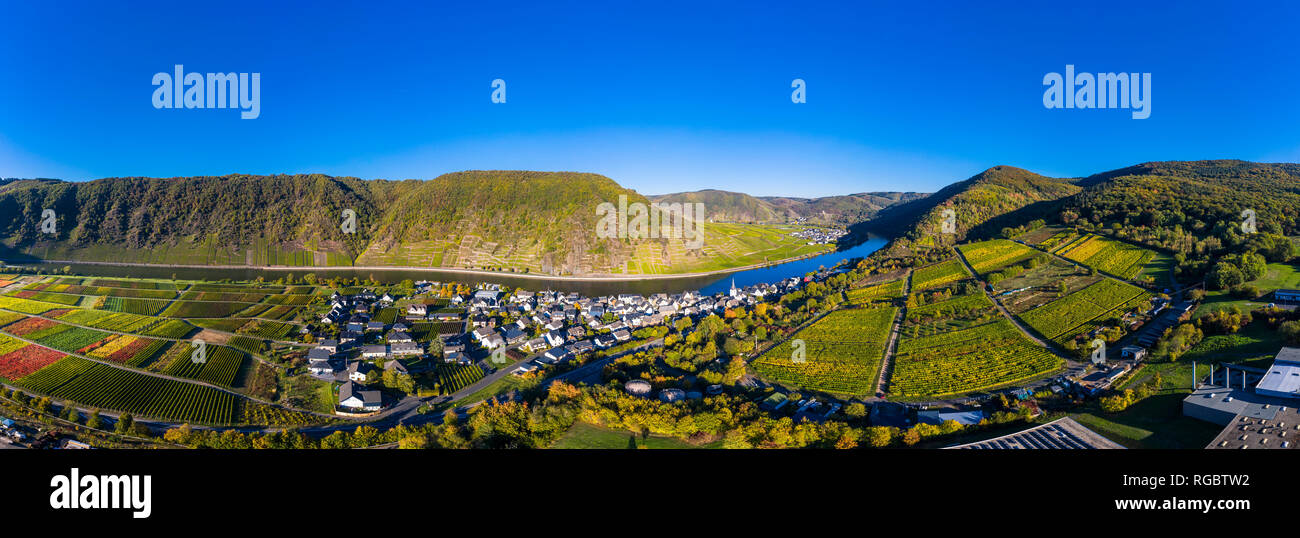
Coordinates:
x,y
588,436
1276,276
1158,420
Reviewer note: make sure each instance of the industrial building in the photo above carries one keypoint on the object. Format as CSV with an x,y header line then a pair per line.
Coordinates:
x,y
1283,378
1256,407
1287,296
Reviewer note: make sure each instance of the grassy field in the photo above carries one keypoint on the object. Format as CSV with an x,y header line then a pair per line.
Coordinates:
x,y
1157,421
588,436
1276,276
1255,345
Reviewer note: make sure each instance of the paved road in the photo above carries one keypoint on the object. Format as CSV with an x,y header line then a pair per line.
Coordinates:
x,y
593,368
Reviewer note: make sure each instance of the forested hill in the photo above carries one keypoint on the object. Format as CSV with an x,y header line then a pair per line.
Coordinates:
x,y
725,206
1193,209
254,219
989,194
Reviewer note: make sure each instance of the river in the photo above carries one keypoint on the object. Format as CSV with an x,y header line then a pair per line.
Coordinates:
x,y
708,284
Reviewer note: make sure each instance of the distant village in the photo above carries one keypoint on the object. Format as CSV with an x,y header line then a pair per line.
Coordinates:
x,y
820,236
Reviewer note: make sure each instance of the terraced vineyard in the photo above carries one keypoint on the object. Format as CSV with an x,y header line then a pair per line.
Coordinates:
x,y
979,358
75,289
1107,255
129,350
453,377
876,292
842,352
27,306
169,328
1069,316
953,314
987,256
55,374
221,368
60,298
939,274
145,307
18,359
123,390
201,309
71,339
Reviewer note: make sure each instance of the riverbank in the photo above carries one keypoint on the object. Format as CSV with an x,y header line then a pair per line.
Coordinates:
x,y
611,277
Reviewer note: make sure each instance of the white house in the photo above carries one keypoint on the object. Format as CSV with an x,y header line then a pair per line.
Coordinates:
x,y
353,396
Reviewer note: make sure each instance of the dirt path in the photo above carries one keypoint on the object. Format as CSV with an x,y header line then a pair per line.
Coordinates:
x,y
887,363
1025,330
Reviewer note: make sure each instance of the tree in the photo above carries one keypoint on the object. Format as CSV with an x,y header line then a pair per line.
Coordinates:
x,y
413,441
1290,331
879,436
179,435
94,422
1225,275
124,424
398,381
70,414
855,410
735,439
735,371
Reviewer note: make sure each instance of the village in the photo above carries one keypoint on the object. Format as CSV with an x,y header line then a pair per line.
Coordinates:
x,y
521,330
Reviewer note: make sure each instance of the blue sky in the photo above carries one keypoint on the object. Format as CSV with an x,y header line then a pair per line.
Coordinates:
x,y
674,97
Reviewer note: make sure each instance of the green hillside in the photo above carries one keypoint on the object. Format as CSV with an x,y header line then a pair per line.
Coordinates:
x,y
993,193
724,206
536,222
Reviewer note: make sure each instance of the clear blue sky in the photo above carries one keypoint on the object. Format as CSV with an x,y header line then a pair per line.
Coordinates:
x,y
680,96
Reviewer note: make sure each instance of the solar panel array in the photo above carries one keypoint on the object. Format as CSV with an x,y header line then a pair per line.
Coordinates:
x,y
1045,437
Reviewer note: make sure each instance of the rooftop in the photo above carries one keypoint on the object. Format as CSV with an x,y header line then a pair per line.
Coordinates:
x,y
1063,433
1281,427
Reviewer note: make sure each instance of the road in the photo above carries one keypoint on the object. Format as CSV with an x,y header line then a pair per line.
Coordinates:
x,y
888,361
1025,330
495,274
